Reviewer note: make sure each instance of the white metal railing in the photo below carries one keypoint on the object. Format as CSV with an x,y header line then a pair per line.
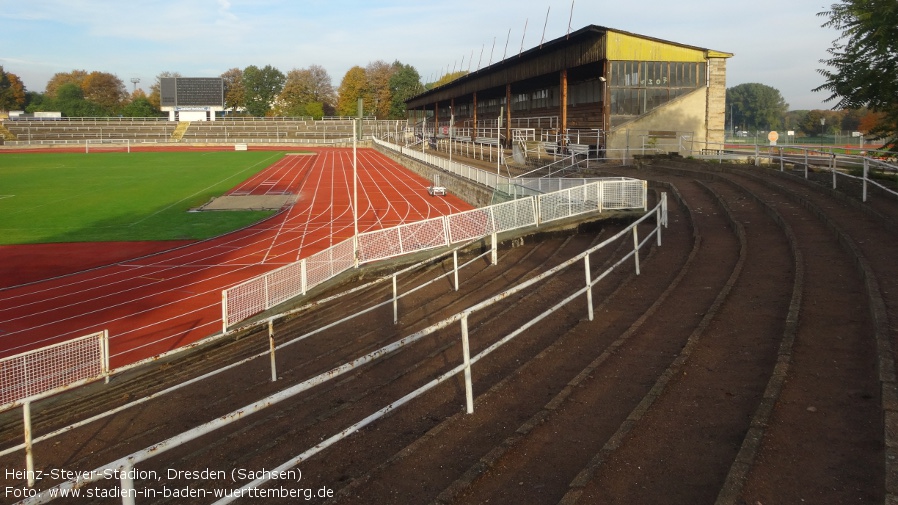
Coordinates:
x,y
261,293
124,467
43,372
839,161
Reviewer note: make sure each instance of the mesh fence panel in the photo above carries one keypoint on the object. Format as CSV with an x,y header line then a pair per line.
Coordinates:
x,y
627,194
424,235
329,263
246,300
379,244
284,283
402,239
514,214
32,373
469,225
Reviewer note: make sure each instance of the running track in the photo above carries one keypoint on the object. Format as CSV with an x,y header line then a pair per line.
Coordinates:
x,y
164,301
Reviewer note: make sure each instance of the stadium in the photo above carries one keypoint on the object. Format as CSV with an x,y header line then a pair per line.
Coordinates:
x,y
554,283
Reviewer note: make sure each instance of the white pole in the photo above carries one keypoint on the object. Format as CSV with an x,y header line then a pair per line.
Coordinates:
x,y
588,285
271,347
29,454
466,354
355,198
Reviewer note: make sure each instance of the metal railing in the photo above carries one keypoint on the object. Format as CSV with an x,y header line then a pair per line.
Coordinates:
x,y
124,467
838,161
578,196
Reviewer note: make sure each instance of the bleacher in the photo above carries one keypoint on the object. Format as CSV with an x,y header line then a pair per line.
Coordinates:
x,y
268,130
77,130
63,131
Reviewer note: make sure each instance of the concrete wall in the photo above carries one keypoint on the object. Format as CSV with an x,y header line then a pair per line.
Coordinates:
x,y
717,97
475,194
684,115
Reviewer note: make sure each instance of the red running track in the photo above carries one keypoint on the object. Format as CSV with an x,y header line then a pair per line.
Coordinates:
x,y
160,302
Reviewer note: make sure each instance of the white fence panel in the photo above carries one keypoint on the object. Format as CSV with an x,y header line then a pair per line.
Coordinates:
x,y
623,194
245,300
470,224
284,283
514,214
36,372
402,239
329,263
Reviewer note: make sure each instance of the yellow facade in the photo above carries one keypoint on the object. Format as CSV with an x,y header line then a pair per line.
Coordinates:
x,y
622,46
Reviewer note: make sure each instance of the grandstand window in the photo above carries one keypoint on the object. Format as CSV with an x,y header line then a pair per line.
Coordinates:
x,y
637,87
589,91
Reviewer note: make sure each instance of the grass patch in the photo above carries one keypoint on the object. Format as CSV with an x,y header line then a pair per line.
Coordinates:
x,y
122,196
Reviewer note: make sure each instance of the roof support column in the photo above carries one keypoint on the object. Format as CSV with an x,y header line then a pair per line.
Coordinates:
x,y
508,114
563,107
474,115
606,102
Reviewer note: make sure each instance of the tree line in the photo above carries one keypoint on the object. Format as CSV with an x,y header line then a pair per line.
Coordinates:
x,y
253,91
755,107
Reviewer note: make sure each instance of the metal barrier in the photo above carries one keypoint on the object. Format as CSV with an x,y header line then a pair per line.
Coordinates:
x,y
836,160
268,290
39,373
124,467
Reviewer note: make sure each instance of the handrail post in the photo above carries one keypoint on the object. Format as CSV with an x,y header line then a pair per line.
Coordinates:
x,y
636,249
866,167
466,352
395,302
455,266
127,479
833,167
224,311
29,453
104,351
274,372
664,208
588,285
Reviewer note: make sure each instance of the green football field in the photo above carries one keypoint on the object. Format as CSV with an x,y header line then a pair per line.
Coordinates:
x,y
82,197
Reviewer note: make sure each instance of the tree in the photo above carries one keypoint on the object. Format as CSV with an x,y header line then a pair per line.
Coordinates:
x,y
140,107
69,100
404,84
12,91
352,87
235,96
61,78
757,106
377,97
262,86
446,79
105,90
307,92
864,61
815,123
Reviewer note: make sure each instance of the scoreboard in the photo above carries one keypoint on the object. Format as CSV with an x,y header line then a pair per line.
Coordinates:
x,y
180,92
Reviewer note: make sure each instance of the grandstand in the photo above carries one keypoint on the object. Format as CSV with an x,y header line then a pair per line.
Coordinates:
x,y
227,130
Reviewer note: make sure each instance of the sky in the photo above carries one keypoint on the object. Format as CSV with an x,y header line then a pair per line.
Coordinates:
x,y
776,43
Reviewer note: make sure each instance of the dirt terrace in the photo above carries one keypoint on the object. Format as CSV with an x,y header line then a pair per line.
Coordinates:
x,y
751,361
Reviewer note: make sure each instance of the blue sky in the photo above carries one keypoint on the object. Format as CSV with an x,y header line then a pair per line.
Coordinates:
x,y
776,43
